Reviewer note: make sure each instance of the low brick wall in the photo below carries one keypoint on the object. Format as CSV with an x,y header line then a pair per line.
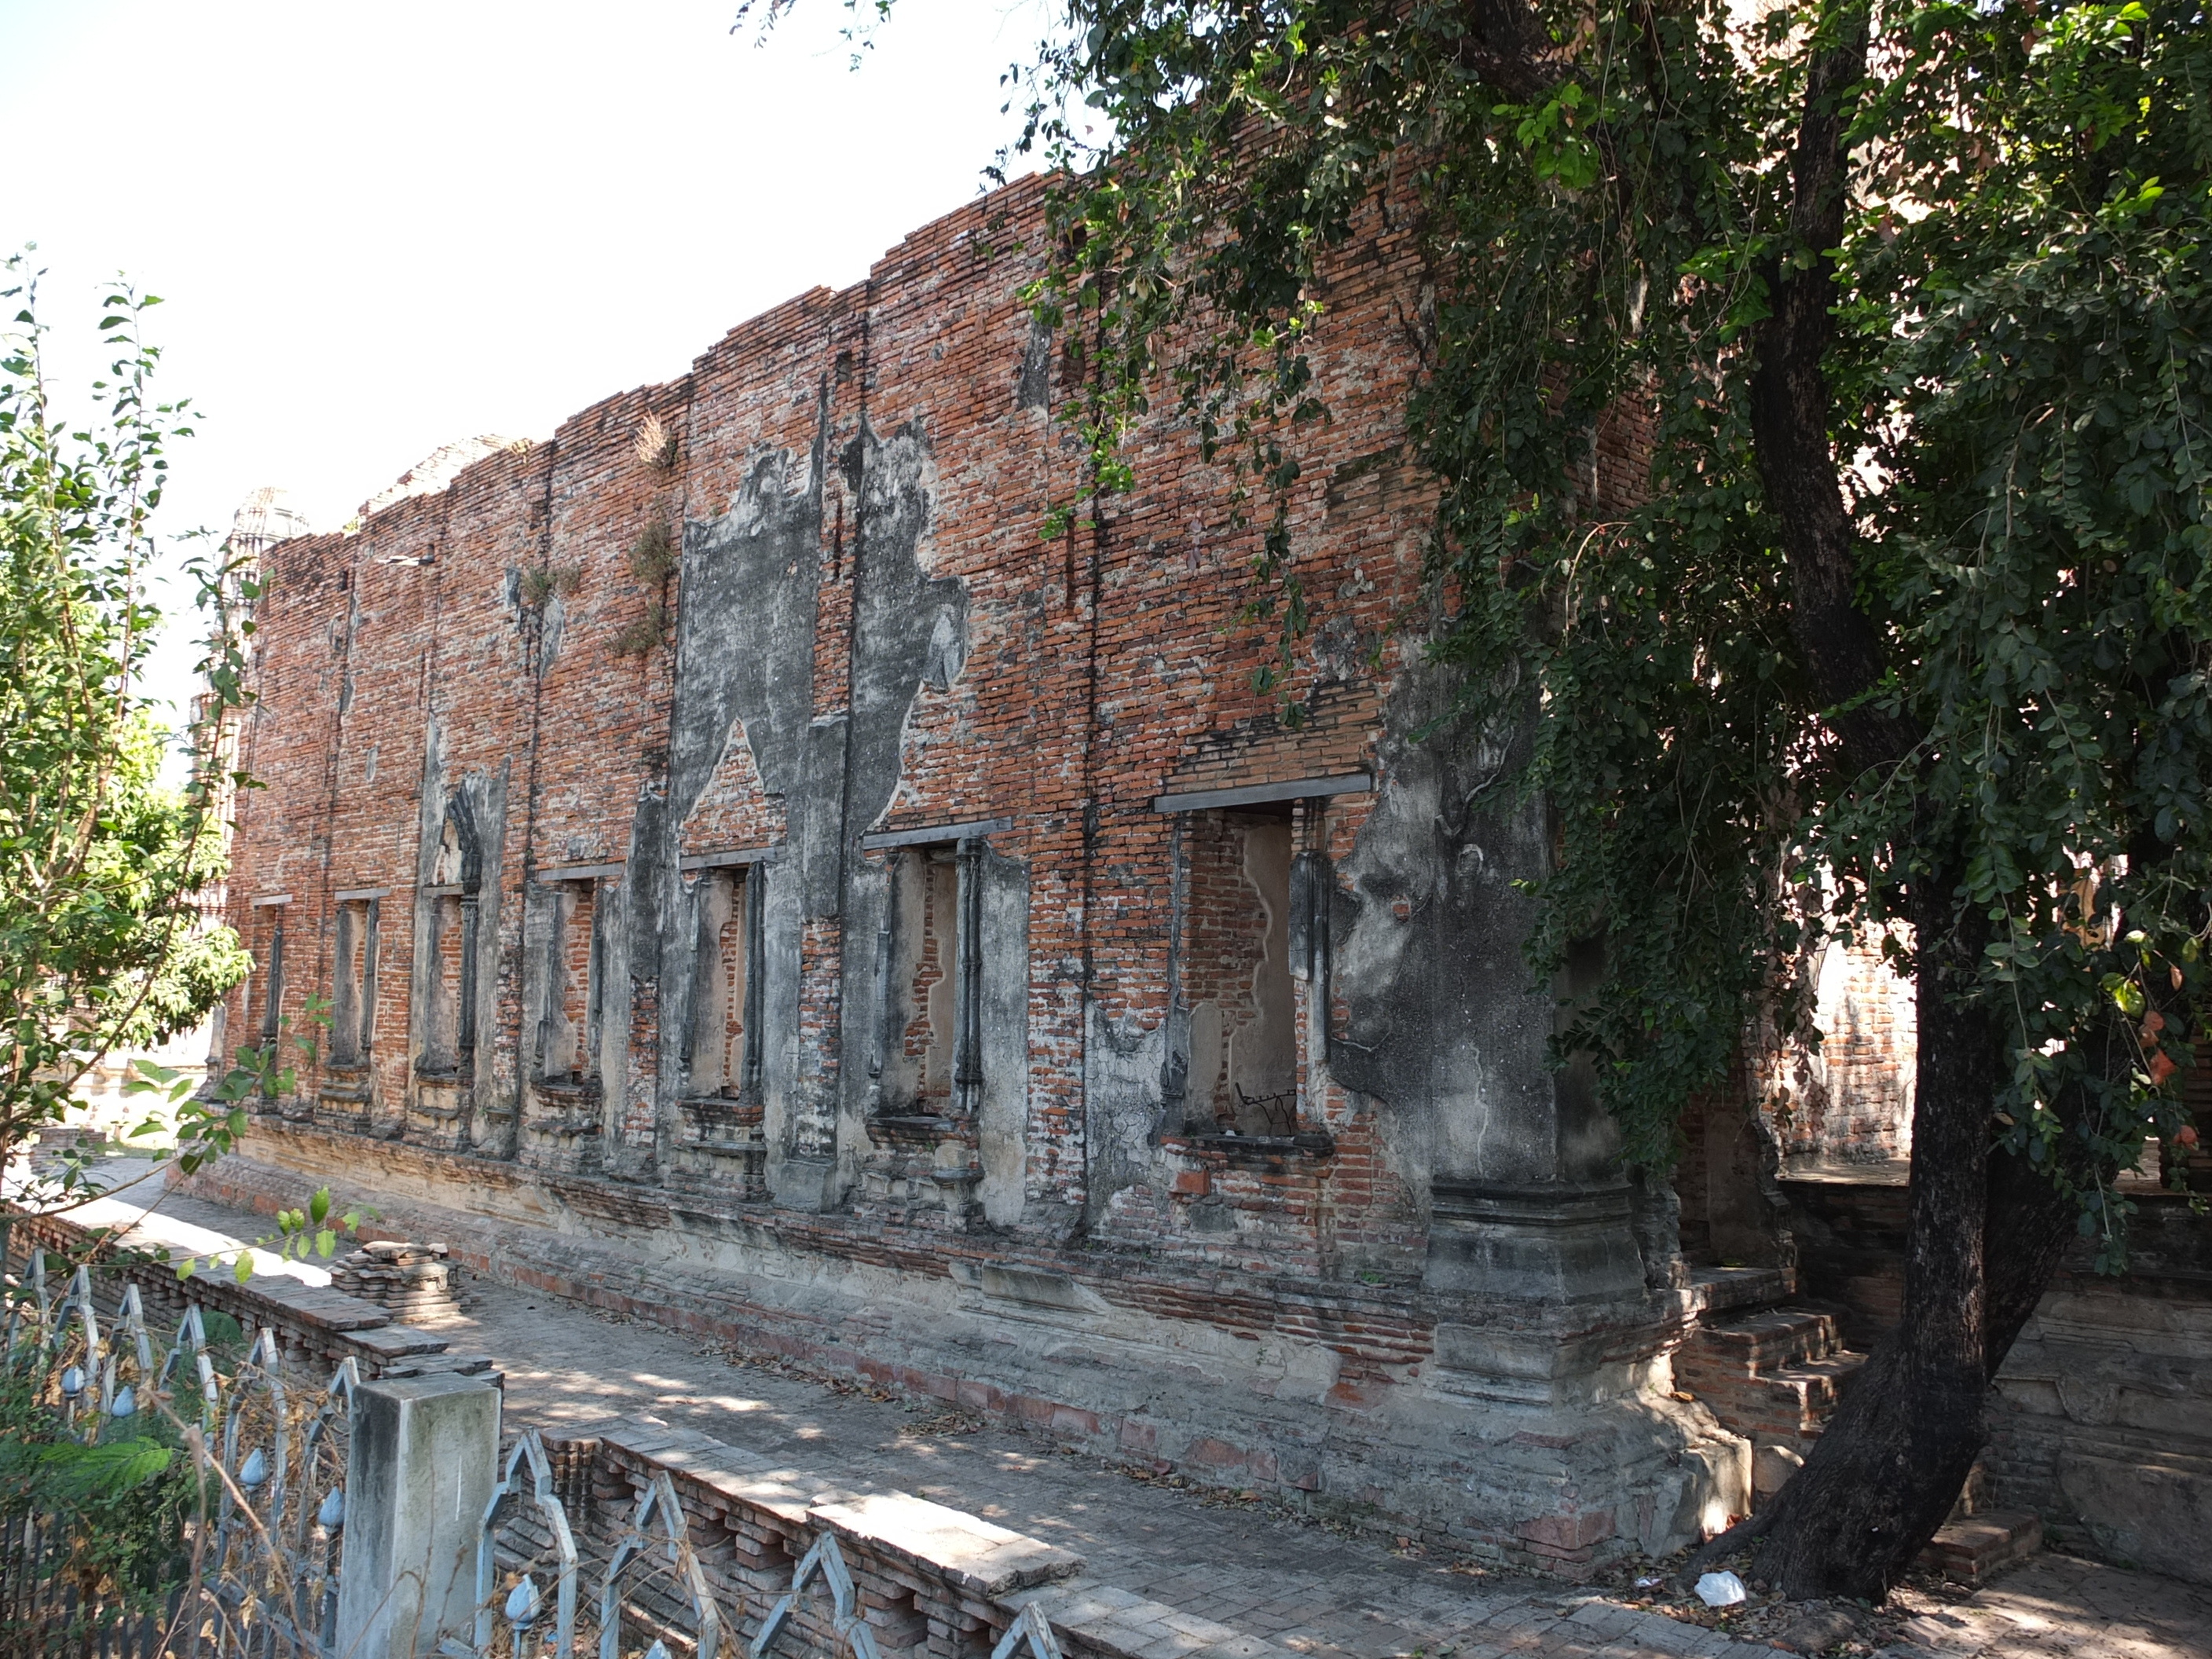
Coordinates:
x,y
930,1581
314,1325
1328,1395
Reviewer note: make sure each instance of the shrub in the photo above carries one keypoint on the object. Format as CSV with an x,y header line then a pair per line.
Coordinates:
x,y
655,444
540,582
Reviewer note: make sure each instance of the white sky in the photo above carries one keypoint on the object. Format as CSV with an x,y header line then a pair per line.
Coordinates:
x,y
380,228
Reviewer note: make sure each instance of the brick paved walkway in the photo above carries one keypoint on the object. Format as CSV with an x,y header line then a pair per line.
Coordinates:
x,y
1298,1586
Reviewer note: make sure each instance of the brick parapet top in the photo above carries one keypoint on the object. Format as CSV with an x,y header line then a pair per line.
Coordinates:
x,y
326,1322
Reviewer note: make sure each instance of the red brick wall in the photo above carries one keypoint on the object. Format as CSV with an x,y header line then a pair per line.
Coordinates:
x,y
736,809
1849,1099
493,640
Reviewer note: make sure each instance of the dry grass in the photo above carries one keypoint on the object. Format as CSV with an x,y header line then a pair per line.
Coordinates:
x,y
638,637
655,444
655,556
540,582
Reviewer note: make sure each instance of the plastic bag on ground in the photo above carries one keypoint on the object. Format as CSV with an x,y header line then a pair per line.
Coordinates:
x,y
1721,1589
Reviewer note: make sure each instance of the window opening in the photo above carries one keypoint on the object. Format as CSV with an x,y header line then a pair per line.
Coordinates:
x,y
723,1058
929,953
595,982
756,983
1236,974
450,1032
464,968
927,1038
272,1000
442,1049
353,996
272,981
569,1034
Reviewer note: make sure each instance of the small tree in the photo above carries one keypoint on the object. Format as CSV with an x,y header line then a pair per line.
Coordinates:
x,y
103,947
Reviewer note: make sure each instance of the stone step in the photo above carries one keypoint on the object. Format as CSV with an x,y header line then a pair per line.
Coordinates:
x,y
1760,1343
1969,1551
1792,1403
1722,1290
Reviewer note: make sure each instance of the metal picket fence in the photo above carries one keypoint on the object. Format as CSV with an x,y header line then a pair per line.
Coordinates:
x,y
261,1540
268,1452
264,1539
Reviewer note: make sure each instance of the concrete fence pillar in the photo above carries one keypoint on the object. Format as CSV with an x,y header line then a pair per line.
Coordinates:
x,y
420,1468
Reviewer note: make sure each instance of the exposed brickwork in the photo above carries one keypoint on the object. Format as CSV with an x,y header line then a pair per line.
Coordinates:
x,y
491,631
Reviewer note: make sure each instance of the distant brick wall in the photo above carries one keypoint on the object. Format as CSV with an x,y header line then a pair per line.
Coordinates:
x,y
1850,1100
1842,1105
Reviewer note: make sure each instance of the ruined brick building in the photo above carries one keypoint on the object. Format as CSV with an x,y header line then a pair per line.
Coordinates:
x,y
757,882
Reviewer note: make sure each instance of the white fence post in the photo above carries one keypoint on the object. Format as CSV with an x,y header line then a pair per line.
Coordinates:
x,y
422,1460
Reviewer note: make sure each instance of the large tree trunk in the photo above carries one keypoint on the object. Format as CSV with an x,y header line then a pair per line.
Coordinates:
x,y
1988,1230
1889,1466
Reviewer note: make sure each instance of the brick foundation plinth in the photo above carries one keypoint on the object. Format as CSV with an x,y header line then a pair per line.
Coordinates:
x,y
1321,1394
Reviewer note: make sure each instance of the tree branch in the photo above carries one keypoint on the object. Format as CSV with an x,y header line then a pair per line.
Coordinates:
x,y
1841,648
